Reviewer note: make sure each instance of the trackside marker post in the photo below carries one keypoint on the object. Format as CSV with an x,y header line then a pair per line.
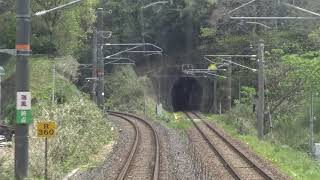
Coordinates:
x,y
24,108
46,129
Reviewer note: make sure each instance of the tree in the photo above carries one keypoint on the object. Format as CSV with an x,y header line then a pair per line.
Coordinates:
x,y
65,30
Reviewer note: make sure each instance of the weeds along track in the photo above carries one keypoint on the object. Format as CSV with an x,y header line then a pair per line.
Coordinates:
x,y
236,163
143,161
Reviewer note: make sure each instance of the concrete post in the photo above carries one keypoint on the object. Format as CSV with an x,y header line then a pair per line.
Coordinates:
x,y
229,87
215,95
312,150
0,98
260,107
23,33
94,67
100,59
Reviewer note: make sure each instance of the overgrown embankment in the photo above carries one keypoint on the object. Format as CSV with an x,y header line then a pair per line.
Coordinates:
x,y
127,92
83,135
240,124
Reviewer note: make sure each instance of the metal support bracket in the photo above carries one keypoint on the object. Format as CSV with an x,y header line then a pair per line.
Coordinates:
x,y
12,52
115,61
221,57
315,17
134,49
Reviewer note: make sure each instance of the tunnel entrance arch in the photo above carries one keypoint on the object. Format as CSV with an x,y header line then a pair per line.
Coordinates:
x,y
186,94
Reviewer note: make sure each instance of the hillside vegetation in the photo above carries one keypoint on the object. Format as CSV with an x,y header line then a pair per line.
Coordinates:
x,y
187,29
83,131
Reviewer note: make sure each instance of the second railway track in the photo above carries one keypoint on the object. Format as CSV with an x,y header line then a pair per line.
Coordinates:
x,y
143,161
237,164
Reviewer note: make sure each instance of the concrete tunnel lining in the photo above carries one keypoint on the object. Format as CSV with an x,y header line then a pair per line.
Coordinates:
x,y
186,94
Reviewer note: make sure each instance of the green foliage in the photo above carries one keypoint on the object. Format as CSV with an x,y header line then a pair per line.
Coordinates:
x,y
292,130
232,43
242,118
306,68
80,121
166,25
82,128
314,37
127,92
290,79
65,30
247,94
41,88
180,122
124,91
7,29
207,32
6,164
295,163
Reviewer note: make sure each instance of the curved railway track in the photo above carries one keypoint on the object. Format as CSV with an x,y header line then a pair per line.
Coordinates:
x,y
7,127
7,131
236,163
130,161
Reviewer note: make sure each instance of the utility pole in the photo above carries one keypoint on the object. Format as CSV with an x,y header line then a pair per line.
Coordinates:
x,y
94,67
239,87
23,33
229,86
311,125
2,73
0,97
159,105
100,71
215,95
260,109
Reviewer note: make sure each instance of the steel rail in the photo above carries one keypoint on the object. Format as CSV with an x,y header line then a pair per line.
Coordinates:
x,y
8,127
133,150
236,149
156,170
8,131
226,164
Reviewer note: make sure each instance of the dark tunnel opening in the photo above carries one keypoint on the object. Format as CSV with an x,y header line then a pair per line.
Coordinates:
x,y
186,95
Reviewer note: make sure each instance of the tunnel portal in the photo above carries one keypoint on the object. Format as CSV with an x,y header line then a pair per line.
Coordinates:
x,y
186,95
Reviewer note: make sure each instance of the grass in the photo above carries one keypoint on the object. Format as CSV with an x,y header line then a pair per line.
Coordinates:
x,y
6,166
126,91
180,122
84,137
296,164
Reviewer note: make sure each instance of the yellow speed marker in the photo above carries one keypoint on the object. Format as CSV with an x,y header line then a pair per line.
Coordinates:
x,y
46,129
176,116
212,67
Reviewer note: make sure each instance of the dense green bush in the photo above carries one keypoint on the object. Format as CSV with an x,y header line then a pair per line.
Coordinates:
x,y
124,90
82,132
242,118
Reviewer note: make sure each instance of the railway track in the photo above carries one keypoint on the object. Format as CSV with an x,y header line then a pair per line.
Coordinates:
x,y
6,127
144,153
7,131
236,163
